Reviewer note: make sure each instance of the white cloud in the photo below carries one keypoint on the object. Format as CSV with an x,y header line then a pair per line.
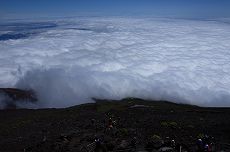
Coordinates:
x,y
172,59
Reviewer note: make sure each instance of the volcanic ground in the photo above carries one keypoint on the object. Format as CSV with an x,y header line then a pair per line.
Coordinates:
x,y
75,128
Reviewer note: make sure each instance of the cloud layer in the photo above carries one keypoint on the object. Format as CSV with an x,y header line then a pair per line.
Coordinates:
x,y
153,58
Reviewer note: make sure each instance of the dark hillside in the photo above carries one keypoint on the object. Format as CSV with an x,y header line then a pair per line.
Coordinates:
x,y
136,121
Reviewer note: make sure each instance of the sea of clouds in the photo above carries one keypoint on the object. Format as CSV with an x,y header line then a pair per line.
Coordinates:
x,y
73,60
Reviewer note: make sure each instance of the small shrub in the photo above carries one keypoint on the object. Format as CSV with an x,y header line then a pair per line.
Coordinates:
x,y
191,126
124,131
164,124
156,137
171,124
200,136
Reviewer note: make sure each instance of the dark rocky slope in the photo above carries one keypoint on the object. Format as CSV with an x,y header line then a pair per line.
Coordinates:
x,y
12,96
144,124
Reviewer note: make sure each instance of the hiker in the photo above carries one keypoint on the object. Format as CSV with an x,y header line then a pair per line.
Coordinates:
x,y
93,122
206,148
199,145
173,143
110,128
208,143
205,144
134,143
99,145
110,124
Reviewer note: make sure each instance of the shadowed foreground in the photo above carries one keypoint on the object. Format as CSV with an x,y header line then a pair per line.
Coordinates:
x,y
138,125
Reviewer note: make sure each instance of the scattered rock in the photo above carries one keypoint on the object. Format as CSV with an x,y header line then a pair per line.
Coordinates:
x,y
123,145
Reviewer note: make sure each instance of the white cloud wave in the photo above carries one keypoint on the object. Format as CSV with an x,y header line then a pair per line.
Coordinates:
x,y
171,59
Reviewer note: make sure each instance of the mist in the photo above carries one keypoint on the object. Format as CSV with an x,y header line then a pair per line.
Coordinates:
x,y
77,59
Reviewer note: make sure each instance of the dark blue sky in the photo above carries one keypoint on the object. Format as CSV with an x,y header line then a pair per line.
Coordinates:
x,y
211,8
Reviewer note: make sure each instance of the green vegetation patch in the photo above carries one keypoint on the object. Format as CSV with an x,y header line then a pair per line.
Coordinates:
x,y
169,124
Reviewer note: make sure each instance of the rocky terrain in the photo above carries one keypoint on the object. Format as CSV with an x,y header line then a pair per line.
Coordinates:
x,y
137,125
12,96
